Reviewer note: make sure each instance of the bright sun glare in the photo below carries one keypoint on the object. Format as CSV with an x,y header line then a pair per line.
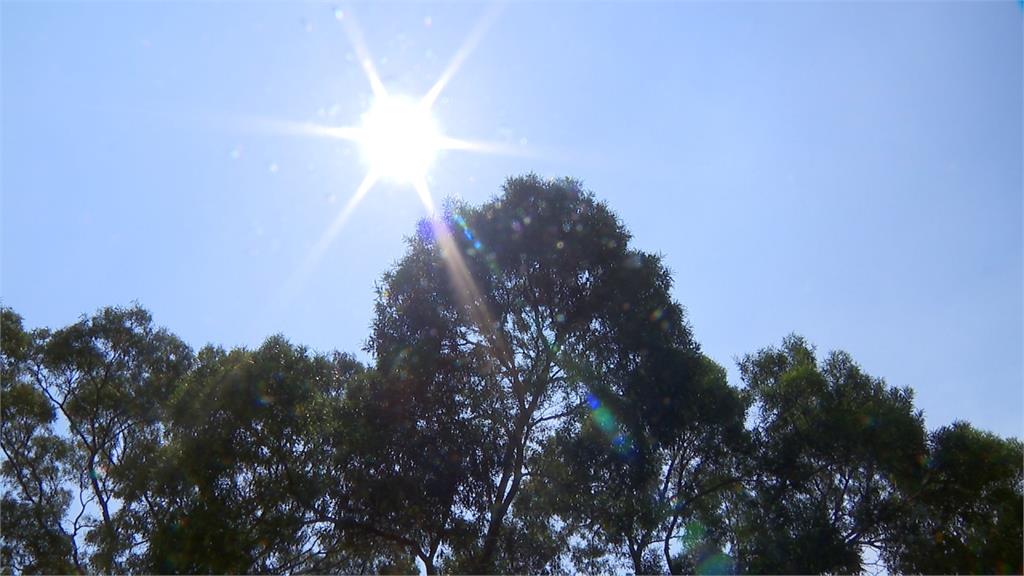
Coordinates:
x,y
399,138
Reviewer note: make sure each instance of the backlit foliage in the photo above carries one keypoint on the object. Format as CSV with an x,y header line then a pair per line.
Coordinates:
x,y
536,403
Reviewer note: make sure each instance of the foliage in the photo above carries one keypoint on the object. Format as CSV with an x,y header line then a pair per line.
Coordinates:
x,y
965,514
529,322
35,499
834,448
536,403
251,441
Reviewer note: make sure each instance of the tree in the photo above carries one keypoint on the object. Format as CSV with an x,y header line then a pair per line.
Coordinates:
x,y
835,447
505,319
663,485
35,497
104,378
413,463
245,481
705,463
537,403
107,376
965,515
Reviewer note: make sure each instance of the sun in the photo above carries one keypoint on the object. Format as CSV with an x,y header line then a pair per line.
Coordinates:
x,y
399,138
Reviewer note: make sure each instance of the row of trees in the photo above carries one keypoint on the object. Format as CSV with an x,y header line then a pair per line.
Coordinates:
x,y
537,403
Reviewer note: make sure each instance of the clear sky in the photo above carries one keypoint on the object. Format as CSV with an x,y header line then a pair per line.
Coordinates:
x,y
851,172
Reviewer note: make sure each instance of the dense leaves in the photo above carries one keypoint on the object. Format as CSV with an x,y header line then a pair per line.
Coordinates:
x,y
835,447
965,514
506,322
537,403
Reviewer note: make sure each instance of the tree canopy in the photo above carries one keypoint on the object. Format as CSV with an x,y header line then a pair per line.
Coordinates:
x,y
536,402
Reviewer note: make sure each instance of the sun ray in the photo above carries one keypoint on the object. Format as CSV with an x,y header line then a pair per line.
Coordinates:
x,y
355,37
423,191
368,181
318,250
371,74
466,290
462,54
350,133
482,146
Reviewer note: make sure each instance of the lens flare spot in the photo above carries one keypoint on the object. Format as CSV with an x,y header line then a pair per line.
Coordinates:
x,y
716,563
604,419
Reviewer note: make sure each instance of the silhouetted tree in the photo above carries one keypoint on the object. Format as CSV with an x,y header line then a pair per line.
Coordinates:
x,y
537,403
250,479
648,495
965,516
514,314
36,497
706,457
107,376
835,446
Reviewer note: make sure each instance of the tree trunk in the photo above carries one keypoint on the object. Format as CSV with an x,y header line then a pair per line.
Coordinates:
x,y
105,555
668,546
506,494
638,557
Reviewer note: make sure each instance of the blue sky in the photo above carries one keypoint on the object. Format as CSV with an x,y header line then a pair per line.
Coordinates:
x,y
851,172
